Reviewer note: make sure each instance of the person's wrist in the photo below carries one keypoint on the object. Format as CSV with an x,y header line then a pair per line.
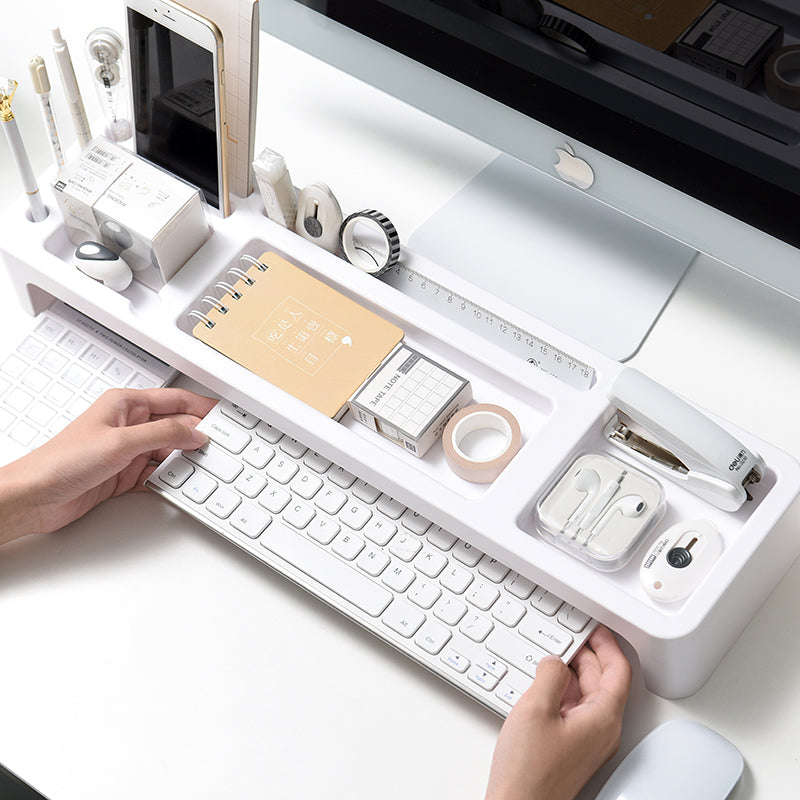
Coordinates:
x,y
18,511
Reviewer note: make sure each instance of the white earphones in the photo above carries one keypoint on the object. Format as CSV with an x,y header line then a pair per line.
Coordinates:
x,y
629,506
586,481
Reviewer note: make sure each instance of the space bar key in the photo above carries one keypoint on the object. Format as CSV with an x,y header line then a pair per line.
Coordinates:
x,y
326,569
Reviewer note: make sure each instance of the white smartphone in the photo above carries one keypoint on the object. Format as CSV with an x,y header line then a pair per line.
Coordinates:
x,y
177,94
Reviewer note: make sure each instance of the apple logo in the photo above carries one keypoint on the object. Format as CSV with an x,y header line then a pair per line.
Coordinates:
x,y
572,169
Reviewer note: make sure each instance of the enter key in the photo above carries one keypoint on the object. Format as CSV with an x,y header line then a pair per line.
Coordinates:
x,y
549,637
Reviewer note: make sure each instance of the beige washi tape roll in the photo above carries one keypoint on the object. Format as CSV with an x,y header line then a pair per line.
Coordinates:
x,y
781,64
477,418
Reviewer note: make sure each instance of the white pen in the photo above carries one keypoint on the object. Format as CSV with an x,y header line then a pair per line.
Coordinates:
x,y
7,88
41,85
67,72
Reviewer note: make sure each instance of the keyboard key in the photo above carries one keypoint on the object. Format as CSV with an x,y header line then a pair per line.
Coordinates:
x,y
341,477
476,626
18,399
508,694
306,485
405,546
177,473
347,545
424,594
373,561
519,586
292,447
216,461
398,578
390,507
238,415
274,499
430,563
572,618
94,357
268,433
492,569
450,611
549,637
49,328
282,469
380,531
456,579
227,435
326,569
315,461
467,554
298,514
23,433
355,516
416,523
14,366
515,651
331,500
366,492
482,678
31,347
509,612
250,521
545,601
199,487
223,502
142,381
403,618
455,660
441,538
258,454
41,413
72,343
432,637
53,361
117,371
36,380
75,375
323,530
59,394
250,483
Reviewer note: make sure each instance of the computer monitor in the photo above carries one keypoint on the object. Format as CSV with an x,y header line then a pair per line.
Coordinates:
x,y
711,161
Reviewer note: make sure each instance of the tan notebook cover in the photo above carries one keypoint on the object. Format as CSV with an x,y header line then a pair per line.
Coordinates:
x,y
299,334
655,23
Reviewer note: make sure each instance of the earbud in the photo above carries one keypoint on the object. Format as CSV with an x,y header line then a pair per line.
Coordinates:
x,y
98,262
629,506
602,501
586,481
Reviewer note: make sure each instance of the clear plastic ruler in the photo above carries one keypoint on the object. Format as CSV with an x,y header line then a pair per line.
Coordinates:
x,y
537,352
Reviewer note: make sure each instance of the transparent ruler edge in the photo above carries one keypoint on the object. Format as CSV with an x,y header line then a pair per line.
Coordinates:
x,y
536,351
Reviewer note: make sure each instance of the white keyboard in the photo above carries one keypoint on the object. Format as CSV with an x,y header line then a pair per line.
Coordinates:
x,y
63,363
458,612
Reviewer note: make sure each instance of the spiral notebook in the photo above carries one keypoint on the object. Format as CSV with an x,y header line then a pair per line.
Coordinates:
x,y
296,332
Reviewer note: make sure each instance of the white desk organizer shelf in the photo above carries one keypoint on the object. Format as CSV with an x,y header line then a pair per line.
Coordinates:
x,y
678,644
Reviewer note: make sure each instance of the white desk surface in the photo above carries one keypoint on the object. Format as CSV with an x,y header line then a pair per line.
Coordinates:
x,y
144,657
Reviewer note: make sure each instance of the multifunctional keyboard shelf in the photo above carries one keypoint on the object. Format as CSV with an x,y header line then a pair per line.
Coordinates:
x,y
678,644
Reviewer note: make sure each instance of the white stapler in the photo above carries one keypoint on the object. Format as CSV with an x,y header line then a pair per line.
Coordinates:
x,y
681,442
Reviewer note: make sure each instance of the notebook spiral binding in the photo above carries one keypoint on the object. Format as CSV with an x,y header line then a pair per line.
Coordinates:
x,y
228,289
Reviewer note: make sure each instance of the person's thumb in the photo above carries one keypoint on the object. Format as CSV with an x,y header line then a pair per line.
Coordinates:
x,y
552,678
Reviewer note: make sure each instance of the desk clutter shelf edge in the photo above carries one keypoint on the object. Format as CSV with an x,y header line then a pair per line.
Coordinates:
x,y
678,646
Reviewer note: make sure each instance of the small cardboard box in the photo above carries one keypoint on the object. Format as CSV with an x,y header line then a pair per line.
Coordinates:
x,y
409,399
154,220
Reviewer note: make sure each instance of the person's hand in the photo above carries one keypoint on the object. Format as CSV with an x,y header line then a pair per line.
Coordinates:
x,y
565,727
107,450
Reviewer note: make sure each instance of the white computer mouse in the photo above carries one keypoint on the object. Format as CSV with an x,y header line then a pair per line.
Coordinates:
x,y
679,759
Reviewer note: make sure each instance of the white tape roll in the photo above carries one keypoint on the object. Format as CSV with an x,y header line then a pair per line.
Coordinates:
x,y
471,420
